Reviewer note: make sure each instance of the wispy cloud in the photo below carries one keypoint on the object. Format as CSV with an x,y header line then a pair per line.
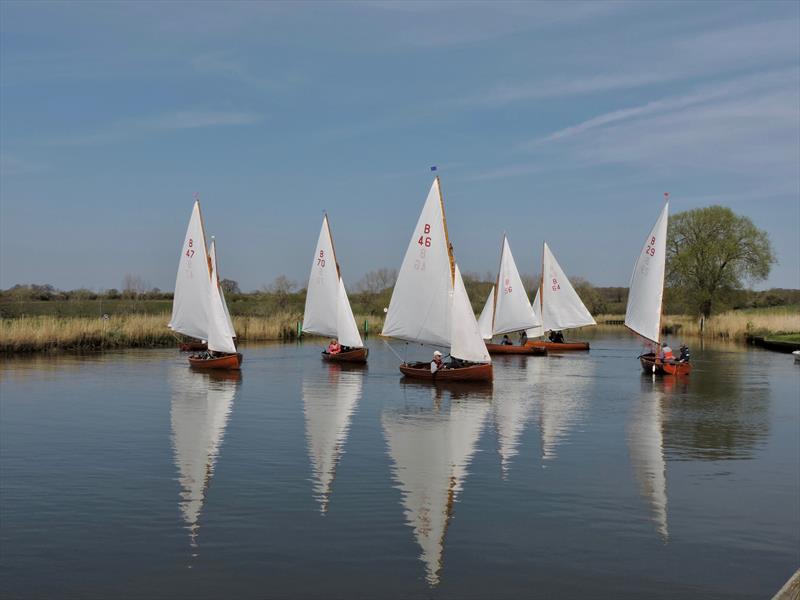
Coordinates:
x,y
13,165
175,121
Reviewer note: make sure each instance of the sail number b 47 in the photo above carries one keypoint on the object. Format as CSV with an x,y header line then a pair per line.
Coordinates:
x,y
190,250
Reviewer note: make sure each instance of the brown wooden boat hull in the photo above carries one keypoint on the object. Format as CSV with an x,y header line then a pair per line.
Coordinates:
x,y
357,355
509,349
422,371
228,362
562,347
651,364
195,346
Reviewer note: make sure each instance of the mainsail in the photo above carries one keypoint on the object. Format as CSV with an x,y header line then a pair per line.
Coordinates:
x,y
643,314
190,301
419,310
561,306
512,309
327,310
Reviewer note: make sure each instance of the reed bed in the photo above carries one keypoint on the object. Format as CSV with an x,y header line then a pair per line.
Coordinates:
x,y
44,333
735,324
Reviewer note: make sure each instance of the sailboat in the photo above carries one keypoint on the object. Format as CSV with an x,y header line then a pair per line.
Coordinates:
x,y
328,309
558,306
509,309
430,305
197,306
645,298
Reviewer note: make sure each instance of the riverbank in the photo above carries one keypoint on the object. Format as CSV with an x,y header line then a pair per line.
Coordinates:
x,y
48,333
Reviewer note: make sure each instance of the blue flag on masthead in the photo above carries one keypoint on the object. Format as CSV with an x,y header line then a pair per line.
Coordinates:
x,y
433,168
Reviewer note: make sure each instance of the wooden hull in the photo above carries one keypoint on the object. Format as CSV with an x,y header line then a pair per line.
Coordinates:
x,y
528,349
357,355
422,371
651,364
228,362
195,346
562,347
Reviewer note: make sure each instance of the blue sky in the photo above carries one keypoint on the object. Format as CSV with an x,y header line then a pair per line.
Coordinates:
x,y
556,121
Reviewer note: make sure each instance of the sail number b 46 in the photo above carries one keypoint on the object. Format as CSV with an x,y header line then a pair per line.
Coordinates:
x,y
425,240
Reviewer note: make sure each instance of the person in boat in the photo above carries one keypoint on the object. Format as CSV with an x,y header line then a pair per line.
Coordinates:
x,y
666,353
557,337
523,338
685,355
437,363
334,347
506,341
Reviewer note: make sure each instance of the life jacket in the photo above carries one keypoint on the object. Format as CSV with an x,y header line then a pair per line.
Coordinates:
x,y
668,355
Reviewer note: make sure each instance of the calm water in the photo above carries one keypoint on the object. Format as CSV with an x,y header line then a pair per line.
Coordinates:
x,y
573,476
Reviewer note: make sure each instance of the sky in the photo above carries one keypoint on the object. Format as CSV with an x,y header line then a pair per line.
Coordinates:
x,y
563,122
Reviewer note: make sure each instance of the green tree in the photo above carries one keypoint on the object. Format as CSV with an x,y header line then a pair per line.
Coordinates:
x,y
711,252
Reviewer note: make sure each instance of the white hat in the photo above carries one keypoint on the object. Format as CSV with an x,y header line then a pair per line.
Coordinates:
x,y
437,353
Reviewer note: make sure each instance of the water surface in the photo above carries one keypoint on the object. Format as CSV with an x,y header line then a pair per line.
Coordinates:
x,y
576,476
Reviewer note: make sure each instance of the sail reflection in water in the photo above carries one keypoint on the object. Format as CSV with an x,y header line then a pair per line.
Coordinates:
x,y
329,400
512,407
646,445
201,404
563,386
432,448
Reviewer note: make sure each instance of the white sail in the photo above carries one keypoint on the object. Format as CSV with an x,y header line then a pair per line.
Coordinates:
x,y
328,404
346,327
419,310
215,277
562,308
487,314
646,444
643,314
219,336
512,309
431,453
538,330
321,315
466,342
199,413
192,285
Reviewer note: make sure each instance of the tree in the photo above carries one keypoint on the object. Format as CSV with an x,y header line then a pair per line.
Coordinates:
x,y
134,286
711,252
281,288
375,282
589,295
229,286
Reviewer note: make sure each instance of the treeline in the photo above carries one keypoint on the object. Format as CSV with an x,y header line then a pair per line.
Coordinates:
x,y
368,297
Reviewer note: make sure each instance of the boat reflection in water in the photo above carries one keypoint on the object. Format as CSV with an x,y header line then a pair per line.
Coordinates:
x,y
431,448
646,446
512,406
201,404
329,400
563,387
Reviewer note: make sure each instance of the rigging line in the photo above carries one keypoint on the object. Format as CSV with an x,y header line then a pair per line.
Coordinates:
x,y
393,350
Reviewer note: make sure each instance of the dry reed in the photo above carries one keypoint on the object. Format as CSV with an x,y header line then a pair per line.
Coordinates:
x,y
34,334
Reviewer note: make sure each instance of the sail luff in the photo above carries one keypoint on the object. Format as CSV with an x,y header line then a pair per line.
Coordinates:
x,y
449,246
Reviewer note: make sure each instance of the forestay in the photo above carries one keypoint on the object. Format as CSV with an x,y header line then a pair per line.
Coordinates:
x,y
466,342
321,315
419,310
215,277
561,306
512,310
538,330
643,314
487,314
191,298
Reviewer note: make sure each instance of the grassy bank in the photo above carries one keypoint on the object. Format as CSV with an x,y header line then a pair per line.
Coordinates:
x,y
43,333
778,322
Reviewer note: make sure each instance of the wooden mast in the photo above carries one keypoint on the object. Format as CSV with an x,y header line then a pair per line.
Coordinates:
x,y
446,235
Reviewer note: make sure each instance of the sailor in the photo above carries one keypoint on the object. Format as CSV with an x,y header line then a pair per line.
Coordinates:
x,y
523,338
437,363
334,347
666,352
557,337
506,341
685,354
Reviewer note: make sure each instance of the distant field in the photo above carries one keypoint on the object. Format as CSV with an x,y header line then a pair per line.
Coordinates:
x,y
82,308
